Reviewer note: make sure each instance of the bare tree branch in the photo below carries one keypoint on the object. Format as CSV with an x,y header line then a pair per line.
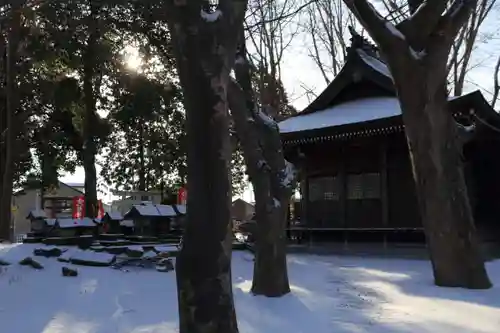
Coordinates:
x,y
465,44
280,17
326,25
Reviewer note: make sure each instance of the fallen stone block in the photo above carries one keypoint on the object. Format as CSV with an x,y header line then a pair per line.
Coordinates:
x,y
28,261
48,252
66,271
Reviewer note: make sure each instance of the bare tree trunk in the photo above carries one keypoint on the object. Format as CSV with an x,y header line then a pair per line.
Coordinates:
x,y
267,169
417,55
204,48
90,119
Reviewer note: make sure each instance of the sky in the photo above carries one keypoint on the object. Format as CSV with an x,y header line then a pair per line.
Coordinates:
x,y
299,73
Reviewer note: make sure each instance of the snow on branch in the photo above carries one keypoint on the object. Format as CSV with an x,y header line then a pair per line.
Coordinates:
x,y
277,203
288,174
267,120
211,16
394,30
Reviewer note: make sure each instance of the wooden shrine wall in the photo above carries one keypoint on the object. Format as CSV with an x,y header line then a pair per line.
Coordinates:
x,y
363,183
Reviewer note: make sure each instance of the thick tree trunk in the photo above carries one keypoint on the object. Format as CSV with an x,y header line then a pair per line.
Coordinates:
x,y
264,158
90,183
432,136
204,48
270,274
204,263
417,52
10,134
90,118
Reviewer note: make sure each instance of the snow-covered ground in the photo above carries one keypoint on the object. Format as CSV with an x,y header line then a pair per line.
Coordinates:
x,y
329,294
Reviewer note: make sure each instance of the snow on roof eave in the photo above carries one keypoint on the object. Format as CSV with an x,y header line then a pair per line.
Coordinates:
x,y
66,223
360,111
352,112
181,209
114,215
37,214
143,211
166,210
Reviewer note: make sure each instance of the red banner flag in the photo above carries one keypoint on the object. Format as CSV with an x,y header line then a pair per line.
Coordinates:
x,y
182,196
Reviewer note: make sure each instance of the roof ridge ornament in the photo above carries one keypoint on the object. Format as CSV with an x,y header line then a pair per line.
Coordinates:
x,y
359,42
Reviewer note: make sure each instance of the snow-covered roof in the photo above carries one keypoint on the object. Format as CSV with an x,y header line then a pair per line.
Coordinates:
x,y
351,112
75,223
181,209
166,210
37,214
114,215
146,210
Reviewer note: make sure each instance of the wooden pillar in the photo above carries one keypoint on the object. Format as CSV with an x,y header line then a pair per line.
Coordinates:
x,y
384,197
342,174
304,199
343,187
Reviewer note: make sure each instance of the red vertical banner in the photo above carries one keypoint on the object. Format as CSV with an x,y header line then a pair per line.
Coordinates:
x,y
100,211
75,208
182,196
78,207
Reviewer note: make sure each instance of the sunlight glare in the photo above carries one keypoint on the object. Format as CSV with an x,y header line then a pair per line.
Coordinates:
x,y
132,58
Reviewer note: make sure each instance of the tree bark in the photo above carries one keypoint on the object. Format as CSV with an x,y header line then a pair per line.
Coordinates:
x,y
444,205
204,45
90,118
12,104
432,133
142,166
270,274
266,167
4,210
496,84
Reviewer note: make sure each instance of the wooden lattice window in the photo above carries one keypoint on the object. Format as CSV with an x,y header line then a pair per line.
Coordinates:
x,y
324,188
363,186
